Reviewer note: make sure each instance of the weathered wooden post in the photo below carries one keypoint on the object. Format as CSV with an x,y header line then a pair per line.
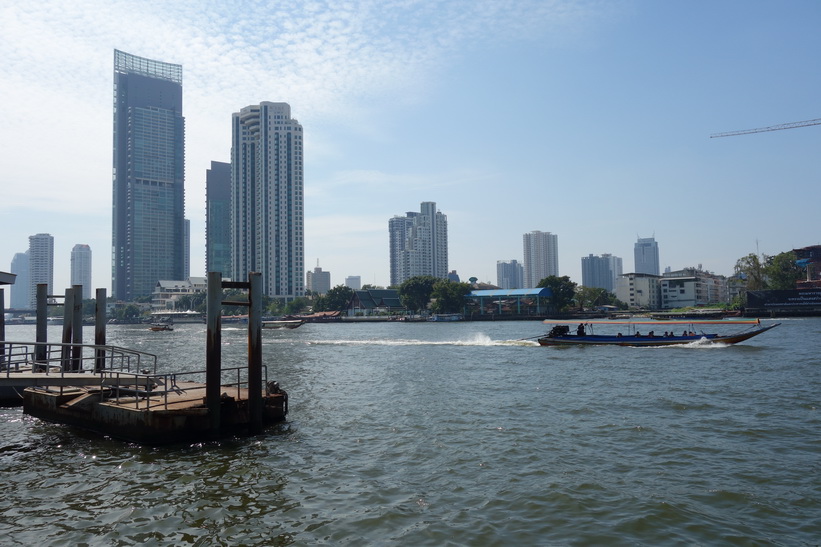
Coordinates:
x,y
68,319
2,327
99,330
41,337
255,352
77,329
213,349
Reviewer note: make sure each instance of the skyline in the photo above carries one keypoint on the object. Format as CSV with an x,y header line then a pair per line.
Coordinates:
x,y
588,120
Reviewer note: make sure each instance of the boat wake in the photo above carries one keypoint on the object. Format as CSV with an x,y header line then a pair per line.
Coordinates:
x,y
477,340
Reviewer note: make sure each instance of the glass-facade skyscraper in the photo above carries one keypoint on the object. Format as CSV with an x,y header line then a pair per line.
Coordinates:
x,y
20,291
601,271
148,240
81,268
267,201
646,255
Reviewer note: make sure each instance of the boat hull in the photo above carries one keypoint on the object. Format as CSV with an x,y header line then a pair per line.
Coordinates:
x,y
651,341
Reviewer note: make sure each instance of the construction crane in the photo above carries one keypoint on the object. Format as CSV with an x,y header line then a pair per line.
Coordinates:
x,y
770,128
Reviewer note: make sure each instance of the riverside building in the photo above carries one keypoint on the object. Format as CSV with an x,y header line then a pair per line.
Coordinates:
x,y
267,207
81,268
20,290
218,218
509,274
418,244
601,271
41,265
148,240
541,257
646,256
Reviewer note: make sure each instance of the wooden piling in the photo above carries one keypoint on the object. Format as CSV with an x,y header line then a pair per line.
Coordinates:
x,y
41,335
99,329
213,349
77,327
255,352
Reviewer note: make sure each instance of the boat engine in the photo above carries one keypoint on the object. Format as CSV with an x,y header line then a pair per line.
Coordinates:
x,y
558,330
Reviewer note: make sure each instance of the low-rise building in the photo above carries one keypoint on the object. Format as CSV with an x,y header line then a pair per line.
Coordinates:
x,y
375,302
639,290
692,287
167,292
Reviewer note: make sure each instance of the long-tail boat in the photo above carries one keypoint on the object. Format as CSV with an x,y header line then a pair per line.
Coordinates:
x,y
561,335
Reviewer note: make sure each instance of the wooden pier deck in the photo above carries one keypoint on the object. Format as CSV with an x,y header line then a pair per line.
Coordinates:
x,y
138,414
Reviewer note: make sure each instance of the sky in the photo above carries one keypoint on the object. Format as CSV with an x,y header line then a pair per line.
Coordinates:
x,y
588,119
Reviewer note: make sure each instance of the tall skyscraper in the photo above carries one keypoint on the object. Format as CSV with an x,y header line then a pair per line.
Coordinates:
x,y
509,274
218,218
353,282
20,291
267,208
418,244
317,281
41,265
541,257
646,255
601,271
149,145
186,253
81,268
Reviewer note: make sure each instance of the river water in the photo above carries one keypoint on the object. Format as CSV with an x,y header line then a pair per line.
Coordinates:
x,y
450,434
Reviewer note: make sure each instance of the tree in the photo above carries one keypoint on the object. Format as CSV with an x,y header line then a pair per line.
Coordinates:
x,y
782,271
296,305
751,269
590,297
449,296
415,292
336,299
779,272
563,291
128,313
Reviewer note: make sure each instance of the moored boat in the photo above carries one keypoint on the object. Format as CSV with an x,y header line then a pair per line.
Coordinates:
x,y
560,335
282,324
446,317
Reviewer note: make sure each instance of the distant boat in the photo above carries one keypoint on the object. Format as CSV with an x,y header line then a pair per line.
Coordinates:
x,y
160,327
560,335
282,324
446,317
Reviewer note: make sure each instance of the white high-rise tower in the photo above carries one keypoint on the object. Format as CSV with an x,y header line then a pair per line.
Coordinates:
x,y
418,244
541,257
41,265
267,208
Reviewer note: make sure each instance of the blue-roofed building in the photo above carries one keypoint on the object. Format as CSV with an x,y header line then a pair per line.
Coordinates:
x,y
509,302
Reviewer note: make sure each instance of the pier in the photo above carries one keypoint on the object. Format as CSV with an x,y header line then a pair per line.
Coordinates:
x,y
119,392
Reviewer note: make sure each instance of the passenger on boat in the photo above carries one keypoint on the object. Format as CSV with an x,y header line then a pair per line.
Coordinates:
x,y
652,334
580,330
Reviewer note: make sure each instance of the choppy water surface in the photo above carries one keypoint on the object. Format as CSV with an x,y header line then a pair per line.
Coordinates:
x,y
451,434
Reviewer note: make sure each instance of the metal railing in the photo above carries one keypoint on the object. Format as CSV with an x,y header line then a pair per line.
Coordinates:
x,y
124,375
58,358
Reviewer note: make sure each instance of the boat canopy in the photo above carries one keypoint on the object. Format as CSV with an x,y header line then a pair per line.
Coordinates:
x,y
544,292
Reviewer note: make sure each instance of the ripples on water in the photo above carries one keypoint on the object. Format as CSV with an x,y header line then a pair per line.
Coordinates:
x,y
451,434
